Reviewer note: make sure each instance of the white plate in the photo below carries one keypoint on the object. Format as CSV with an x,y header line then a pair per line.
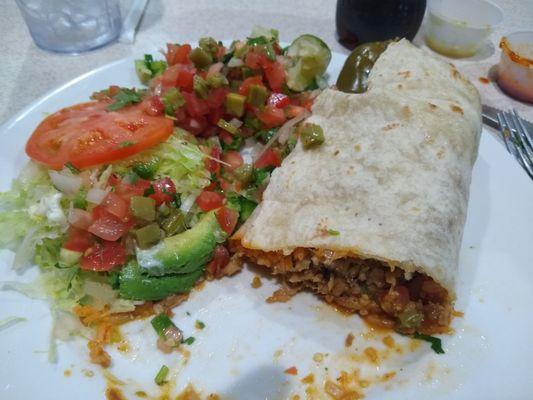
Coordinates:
x,y
247,344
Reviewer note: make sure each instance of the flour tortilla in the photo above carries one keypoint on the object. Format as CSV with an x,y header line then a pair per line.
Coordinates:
x,y
392,177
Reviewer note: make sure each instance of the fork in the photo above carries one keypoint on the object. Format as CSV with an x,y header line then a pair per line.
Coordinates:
x,y
518,140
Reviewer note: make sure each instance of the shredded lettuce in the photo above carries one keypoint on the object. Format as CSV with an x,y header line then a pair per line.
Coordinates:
x,y
25,212
10,321
178,158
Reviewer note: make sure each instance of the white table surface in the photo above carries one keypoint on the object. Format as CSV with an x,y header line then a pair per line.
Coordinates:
x,y
28,72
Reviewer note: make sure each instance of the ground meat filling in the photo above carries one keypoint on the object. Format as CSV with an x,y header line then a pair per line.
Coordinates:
x,y
385,297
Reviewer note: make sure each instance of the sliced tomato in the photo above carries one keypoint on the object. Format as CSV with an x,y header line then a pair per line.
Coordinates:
x,y
116,205
245,86
87,135
177,54
164,190
269,158
107,226
227,219
271,116
78,240
208,200
104,256
220,259
279,100
233,158
275,75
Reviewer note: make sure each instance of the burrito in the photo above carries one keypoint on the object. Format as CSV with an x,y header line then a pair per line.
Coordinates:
x,y
372,219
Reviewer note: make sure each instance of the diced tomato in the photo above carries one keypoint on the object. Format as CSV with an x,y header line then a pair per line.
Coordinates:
x,y
214,116
245,86
227,219
208,200
221,51
226,185
153,106
107,226
226,137
212,186
195,107
220,260
279,100
275,75
116,205
178,75
271,116
127,190
293,111
233,158
212,165
194,125
269,158
103,256
217,97
78,240
164,190
255,59
177,54
180,114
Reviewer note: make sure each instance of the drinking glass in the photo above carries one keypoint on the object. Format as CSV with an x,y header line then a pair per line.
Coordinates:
x,y
71,26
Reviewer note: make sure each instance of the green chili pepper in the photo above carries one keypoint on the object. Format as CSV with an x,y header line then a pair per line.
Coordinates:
x,y
311,135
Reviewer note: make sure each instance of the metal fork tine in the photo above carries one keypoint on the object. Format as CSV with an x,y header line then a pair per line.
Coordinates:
x,y
526,135
517,142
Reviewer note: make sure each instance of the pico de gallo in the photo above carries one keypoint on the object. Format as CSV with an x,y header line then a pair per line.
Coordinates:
x,y
129,198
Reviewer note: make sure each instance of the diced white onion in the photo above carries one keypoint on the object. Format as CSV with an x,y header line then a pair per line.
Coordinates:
x,y
237,123
282,135
214,69
67,184
96,195
80,218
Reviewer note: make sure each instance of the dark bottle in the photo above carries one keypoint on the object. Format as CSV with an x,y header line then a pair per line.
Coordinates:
x,y
362,21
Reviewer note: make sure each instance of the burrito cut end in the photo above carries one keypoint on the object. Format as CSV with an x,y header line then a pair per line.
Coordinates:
x,y
372,219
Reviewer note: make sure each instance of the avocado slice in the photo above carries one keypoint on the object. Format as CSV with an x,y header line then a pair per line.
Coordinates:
x,y
135,285
183,253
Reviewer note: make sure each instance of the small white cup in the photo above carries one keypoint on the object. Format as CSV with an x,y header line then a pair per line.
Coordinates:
x,y
457,28
515,70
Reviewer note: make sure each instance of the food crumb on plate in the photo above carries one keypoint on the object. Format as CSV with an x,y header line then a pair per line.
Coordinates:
x,y
318,357
278,353
291,371
484,80
141,393
112,393
388,341
67,372
308,379
88,373
371,354
256,282
349,340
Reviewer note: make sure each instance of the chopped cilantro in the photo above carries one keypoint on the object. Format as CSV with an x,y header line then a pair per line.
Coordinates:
x,y
123,98
72,168
199,324
161,376
80,201
436,343
333,232
260,175
190,340
149,191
